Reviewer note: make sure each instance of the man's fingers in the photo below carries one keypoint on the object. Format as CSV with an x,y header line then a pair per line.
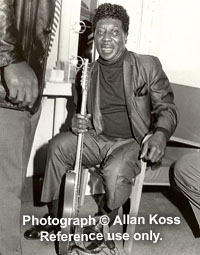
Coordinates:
x,y
153,154
78,131
89,115
20,96
30,98
80,123
159,157
80,116
12,93
24,95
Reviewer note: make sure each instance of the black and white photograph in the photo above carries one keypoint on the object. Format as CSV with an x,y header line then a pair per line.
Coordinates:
x,y
100,127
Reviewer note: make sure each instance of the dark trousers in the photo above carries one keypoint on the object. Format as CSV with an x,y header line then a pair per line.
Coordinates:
x,y
119,160
16,136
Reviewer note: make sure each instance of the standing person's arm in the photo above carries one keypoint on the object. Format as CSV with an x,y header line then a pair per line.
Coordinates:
x,y
19,78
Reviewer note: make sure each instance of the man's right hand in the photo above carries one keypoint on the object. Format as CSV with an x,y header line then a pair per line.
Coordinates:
x,y
80,123
22,84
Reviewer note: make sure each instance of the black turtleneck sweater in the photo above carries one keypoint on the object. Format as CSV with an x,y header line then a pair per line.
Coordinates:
x,y
116,123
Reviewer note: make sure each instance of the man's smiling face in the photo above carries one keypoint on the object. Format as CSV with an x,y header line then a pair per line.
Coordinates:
x,y
110,39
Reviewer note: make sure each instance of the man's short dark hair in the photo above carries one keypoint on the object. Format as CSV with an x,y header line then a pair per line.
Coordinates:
x,y
114,11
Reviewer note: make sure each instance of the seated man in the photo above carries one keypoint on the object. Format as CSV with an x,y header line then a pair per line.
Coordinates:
x,y
129,96
187,177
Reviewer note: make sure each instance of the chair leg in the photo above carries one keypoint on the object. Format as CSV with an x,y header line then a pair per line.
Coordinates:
x,y
134,207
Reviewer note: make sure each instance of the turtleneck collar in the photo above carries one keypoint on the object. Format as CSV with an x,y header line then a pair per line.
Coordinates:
x,y
107,63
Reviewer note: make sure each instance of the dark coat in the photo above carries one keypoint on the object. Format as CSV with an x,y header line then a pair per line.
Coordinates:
x,y
148,96
25,29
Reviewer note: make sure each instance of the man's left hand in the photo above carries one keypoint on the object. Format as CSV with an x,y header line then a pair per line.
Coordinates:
x,y
154,148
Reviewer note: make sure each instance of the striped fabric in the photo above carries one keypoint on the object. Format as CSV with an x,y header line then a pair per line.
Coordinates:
x,y
56,19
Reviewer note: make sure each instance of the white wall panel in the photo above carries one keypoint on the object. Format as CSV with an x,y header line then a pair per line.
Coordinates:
x,y
170,30
175,38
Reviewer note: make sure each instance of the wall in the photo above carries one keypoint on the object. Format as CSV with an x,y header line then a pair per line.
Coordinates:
x,y
168,29
175,38
189,119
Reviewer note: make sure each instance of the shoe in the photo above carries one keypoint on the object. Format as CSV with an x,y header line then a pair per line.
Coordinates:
x,y
34,232
95,245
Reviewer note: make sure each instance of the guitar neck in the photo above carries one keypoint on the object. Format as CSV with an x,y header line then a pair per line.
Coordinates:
x,y
78,162
83,112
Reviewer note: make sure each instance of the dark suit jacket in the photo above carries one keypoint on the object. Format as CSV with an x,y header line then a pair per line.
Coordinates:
x,y
148,94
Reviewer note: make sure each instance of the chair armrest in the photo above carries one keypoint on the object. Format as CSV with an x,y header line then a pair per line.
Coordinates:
x,y
184,141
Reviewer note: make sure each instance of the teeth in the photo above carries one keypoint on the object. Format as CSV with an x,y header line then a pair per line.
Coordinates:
x,y
106,48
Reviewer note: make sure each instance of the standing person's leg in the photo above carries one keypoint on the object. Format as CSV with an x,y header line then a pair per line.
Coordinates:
x,y
187,177
16,135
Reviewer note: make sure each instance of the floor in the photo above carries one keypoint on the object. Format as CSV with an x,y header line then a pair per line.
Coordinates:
x,y
179,235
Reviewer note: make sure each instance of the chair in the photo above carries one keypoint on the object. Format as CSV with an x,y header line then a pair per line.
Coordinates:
x,y
137,191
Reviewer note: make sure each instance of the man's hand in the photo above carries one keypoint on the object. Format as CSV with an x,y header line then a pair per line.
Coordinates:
x,y
154,148
22,84
80,123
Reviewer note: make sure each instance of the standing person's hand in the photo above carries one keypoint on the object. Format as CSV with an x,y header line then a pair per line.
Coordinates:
x,y
22,84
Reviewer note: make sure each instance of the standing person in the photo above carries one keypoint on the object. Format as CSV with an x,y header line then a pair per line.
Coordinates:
x,y
129,97
24,37
187,177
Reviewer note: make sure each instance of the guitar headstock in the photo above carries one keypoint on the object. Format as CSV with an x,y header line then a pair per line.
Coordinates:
x,y
84,77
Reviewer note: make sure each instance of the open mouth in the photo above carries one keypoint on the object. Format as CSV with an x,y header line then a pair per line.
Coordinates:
x,y
107,49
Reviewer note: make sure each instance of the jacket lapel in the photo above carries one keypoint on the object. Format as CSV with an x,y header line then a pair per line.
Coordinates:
x,y
131,77
128,69
94,104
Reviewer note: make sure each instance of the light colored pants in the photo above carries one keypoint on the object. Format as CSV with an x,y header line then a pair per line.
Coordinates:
x,y
187,177
16,136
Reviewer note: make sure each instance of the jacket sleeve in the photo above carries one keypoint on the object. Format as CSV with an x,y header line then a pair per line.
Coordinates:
x,y
10,49
164,111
